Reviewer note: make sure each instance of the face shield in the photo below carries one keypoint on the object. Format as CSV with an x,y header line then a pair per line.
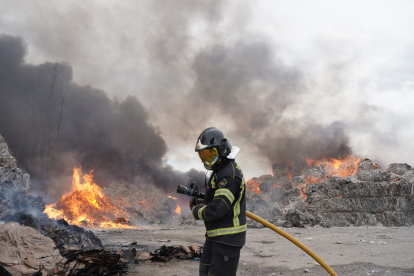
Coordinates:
x,y
209,157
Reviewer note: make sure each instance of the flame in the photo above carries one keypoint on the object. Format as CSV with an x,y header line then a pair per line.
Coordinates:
x,y
86,204
343,167
309,161
178,210
253,186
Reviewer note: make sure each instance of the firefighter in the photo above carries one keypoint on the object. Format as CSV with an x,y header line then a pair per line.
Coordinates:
x,y
224,207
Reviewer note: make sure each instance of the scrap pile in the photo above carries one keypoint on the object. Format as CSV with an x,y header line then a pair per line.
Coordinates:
x,y
354,193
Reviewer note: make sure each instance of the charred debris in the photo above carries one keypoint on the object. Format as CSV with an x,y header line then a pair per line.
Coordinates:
x,y
34,244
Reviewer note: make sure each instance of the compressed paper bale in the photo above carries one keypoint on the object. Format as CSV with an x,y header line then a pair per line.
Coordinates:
x,y
292,195
399,168
298,167
25,251
299,218
266,182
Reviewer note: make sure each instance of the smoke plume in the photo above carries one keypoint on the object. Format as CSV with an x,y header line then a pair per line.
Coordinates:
x,y
246,84
51,128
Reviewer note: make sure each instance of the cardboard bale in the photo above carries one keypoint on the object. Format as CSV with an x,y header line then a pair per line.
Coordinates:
x,y
25,251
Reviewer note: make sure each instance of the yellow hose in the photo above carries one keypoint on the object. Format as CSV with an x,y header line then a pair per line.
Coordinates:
x,y
295,241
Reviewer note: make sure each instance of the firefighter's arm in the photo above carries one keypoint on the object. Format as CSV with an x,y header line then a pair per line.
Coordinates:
x,y
221,203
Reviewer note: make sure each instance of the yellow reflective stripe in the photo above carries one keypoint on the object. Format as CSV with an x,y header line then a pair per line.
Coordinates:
x,y
234,172
225,192
237,167
226,231
213,183
236,208
200,214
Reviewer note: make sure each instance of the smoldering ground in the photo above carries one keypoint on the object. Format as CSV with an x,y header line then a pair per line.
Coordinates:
x,y
51,130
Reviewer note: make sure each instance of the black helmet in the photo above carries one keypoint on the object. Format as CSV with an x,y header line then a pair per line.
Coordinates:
x,y
212,145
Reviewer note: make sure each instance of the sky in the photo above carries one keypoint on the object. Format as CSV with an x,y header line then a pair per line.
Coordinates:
x,y
282,79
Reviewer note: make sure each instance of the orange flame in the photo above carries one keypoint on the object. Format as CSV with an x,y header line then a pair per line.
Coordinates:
x,y
343,167
86,204
178,209
253,186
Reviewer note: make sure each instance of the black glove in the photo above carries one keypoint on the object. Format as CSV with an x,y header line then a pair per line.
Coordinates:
x,y
194,203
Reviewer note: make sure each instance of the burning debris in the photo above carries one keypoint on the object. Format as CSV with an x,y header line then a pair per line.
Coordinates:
x,y
74,250
120,205
334,193
38,244
87,205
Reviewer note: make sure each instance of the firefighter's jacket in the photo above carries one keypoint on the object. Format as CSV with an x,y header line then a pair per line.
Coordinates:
x,y
224,209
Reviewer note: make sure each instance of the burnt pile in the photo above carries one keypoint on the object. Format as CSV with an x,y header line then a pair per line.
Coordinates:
x,y
93,262
265,199
49,246
350,194
167,253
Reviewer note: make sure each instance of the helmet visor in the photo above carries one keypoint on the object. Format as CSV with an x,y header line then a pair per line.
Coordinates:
x,y
208,157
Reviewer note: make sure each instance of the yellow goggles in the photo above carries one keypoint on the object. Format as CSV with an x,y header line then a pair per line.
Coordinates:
x,y
208,156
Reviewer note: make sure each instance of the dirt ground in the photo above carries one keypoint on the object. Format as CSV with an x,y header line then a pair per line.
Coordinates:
x,y
349,251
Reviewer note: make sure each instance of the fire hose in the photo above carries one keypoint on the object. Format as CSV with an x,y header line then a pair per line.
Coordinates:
x,y
293,240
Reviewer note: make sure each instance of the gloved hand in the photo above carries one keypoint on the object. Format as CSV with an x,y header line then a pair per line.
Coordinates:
x,y
194,203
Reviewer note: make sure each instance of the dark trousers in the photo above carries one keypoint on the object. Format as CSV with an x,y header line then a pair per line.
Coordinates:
x,y
219,259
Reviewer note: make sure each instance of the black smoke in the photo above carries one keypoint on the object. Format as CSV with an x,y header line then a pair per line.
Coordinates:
x,y
52,130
